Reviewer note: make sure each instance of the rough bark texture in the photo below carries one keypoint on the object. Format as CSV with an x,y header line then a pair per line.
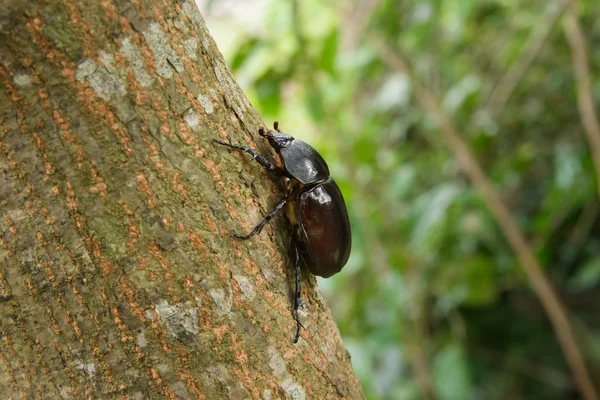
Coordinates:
x,y
118,276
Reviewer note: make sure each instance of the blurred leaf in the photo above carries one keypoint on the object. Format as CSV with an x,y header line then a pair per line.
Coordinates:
x,y
588,276
315,104
451,374
268,88
459,93
245,51
329,52
568,166
430,209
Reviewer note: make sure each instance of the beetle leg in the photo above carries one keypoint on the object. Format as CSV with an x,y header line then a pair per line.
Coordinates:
x,y
258,157
259,227
297,297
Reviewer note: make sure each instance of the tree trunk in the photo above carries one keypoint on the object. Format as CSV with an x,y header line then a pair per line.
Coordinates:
x,y
118,275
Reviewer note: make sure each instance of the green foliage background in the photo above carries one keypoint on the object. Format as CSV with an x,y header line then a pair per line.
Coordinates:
x,y
433,303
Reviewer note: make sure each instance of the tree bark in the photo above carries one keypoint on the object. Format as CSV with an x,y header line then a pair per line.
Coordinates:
x,y
118,275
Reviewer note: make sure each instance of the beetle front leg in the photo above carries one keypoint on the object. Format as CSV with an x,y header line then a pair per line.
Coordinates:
x,y
257,156
259,227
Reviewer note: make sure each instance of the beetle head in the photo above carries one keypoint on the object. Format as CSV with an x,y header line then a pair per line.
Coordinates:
x,y
276,139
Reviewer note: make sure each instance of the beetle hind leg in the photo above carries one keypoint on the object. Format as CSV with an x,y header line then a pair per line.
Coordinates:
x,y
297,295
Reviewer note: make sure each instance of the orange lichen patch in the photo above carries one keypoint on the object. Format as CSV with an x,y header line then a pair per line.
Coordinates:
x,y
165,130
143,263
148,59
107,266
77,329
76,292
161,113
239,354
157,253
71,202
213,169
180,227
158,381
188,283
41,239
94,247
195,241
223,272
53,324
79,157
49,272
160,168
32,290
119,131
237,302
268,295
220,332
11,226
185,134
250,266
243,376
141,96
100,186
142,185
179,187
233,213
204,313
223,133
11,376
156,376
120,324
280,269
38,141
125,207
134,234
110,11
120,61
210,222
30,209
191,384
126,288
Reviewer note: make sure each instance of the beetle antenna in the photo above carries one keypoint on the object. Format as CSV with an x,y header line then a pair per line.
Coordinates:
x,y
261,131
276,126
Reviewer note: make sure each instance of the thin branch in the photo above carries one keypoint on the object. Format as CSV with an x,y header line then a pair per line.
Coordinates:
x,y
538,280
585,98
517,70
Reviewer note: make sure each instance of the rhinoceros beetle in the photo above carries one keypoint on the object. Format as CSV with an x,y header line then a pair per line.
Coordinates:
x,y
316,208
